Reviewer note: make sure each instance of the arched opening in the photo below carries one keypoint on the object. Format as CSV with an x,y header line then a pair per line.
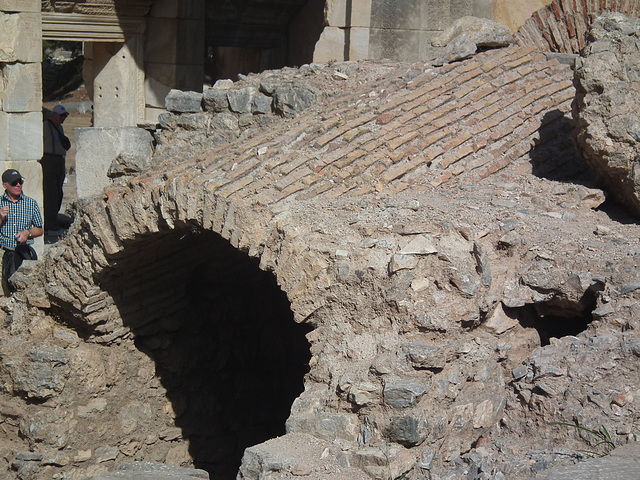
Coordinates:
x,y
222,335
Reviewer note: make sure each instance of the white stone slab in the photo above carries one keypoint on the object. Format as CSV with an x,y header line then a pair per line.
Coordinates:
x,y
359,44
23,87
20,136
20,37
96,150
330,46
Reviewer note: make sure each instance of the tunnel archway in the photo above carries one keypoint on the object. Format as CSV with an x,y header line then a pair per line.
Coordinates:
x,y
222,335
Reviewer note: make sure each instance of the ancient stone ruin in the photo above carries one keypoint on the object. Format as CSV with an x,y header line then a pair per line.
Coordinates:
x,y
412,274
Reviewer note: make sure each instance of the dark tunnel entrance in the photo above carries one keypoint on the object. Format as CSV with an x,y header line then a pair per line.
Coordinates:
x,y
223,338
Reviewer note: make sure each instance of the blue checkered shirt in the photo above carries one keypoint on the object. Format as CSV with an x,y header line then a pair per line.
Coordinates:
x,y
23,215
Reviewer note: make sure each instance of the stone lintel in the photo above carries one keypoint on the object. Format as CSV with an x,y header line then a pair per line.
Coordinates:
x,y
90,28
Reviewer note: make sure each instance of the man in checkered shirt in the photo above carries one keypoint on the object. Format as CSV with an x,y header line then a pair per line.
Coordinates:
x,y
20,219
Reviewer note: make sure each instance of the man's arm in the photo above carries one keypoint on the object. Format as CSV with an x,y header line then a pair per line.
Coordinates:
x,y
4,212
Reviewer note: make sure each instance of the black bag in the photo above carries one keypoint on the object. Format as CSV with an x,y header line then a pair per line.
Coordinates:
x,y
13,259
64,140
66,143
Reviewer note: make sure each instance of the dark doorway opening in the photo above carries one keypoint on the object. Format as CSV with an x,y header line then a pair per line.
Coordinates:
x,y
251,36
223,338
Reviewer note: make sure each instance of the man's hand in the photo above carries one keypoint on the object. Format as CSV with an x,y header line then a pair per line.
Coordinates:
x,y
4,211
23,236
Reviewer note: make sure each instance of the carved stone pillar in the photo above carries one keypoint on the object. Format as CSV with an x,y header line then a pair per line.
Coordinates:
x,y
118,83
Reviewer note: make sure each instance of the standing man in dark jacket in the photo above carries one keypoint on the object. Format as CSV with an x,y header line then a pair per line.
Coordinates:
x,y
55,145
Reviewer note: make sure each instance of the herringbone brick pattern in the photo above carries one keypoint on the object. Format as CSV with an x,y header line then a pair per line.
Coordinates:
x,y
465,120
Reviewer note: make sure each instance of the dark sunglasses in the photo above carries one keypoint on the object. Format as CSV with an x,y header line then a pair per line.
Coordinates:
x,y
17,182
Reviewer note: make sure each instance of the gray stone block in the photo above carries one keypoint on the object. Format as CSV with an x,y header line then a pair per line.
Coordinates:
x,y
183,102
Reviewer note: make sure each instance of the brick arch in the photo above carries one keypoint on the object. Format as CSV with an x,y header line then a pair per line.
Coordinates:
x,y
562,26
188,276
152,210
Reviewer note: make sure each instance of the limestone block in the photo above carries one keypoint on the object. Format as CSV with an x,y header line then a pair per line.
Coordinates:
x,y
215,100
20,5
118,85
499,321
20,136
98,148
359,44
338,16
330,46
437,15
22,87
403,393
401,45
399,15
20,38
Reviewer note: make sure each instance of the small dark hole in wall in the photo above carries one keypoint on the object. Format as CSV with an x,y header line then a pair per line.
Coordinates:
x,y
558,317
223,337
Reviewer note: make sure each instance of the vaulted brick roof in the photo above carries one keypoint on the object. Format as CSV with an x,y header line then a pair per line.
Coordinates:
x,y
465,120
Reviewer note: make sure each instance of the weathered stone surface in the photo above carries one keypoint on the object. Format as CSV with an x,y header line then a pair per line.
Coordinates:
x,y
288,101
135,156
20,37
408,431
22,87
183,102
401,393
261,104
215,99
14,128
241,100
608,88
467,34
109,151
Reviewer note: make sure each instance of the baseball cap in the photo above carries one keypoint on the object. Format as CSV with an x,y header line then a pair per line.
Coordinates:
x,y
60,110
11,175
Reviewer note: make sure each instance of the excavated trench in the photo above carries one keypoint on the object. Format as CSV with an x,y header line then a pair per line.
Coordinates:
x,y
222,335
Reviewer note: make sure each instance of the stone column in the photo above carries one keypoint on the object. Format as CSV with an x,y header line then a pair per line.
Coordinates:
x,y
21,94
174,51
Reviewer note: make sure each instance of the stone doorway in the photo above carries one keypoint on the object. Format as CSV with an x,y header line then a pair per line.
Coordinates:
x,y
222,336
